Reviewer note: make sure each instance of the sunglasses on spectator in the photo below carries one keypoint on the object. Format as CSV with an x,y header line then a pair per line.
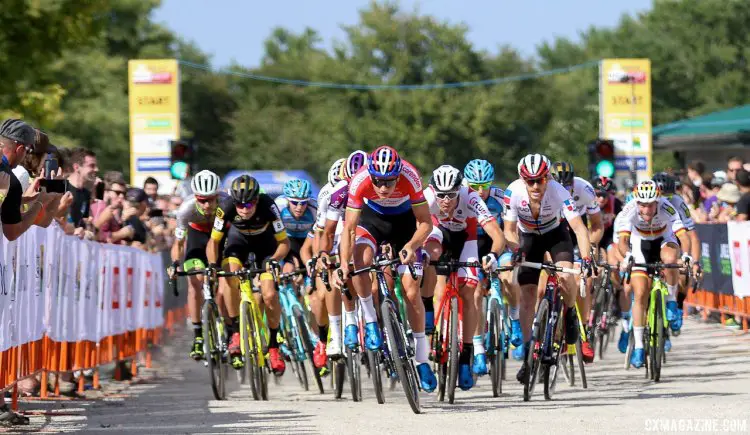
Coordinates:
x,y
118,192
384,182
483,186
246,205
533,181
446,195
297,202
204,199
28,148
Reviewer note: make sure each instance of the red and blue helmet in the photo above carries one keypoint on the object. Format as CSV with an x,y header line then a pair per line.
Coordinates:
x,y
384,163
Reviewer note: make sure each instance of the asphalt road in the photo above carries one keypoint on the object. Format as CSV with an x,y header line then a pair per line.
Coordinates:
x,y
705,387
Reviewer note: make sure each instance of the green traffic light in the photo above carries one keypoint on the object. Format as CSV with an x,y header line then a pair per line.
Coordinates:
x,y
605,168
179,170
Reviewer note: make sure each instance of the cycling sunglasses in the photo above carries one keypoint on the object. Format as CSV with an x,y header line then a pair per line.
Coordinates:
x,y
602,194
204,199
384,182
446,195
483,186
296,202
246,205
533,181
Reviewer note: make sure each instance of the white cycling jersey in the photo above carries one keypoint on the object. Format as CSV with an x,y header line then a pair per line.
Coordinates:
x,y
324,199
584,197
556,204
471,211
665,223
683,211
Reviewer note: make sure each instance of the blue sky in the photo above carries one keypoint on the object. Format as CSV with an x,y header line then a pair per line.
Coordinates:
x,y
235,29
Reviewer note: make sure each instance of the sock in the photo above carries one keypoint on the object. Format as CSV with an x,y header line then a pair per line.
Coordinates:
x,y
428,306
478,343
625,324
198,330
638,335
681,300
672,293
421,348
369,309
323,333
334,323
465,356
350,318
273,341
514,312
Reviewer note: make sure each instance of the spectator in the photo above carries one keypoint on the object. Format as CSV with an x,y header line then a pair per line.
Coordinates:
x,y
734,164
134,231
724,209
743,205
80,182
709,189
151,187
695,171
107,213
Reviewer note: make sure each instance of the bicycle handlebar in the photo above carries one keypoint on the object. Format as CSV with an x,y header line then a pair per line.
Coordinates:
x,y
656,266
550,267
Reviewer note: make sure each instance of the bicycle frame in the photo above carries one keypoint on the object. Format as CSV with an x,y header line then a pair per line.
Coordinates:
x,y
496,294
246,296
451,291
290,303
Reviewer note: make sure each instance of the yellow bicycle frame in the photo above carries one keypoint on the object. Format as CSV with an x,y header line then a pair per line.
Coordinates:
x,y
246,293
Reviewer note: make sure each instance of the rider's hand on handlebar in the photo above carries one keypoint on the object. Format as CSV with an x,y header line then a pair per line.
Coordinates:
x,y
687,259
310,265
172,269
586,266
407,254
517,257
341,276
626,261
324,261
489,262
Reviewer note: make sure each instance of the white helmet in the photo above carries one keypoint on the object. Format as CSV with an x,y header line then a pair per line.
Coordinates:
x,y
334,174
205,183
646,191
446,179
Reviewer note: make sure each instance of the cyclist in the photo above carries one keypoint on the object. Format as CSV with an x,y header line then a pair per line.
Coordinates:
x,y
536,205
479,175
588,208
667,186
386,205
646,229
327,247
254,226
298,212
195,217
457,211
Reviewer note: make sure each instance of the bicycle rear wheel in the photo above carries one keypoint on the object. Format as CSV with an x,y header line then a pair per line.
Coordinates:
x,y
247,333
657,339
376,374
453,345
353,372
399,351
495,349
215,351
534,354
304,333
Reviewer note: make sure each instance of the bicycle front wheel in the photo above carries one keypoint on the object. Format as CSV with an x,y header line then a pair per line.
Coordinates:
x,y
453,345
353,366
215,352
495,350
534,355
399,351
304,333
657,339
579,358
376,374
247,335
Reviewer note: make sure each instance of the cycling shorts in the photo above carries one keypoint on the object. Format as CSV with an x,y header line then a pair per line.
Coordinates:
x,y
533,246
648,251
295,246
240,246
195,249
375,229
456,247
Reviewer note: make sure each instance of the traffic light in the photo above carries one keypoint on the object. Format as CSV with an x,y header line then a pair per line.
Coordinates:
x,y
181,158
602,157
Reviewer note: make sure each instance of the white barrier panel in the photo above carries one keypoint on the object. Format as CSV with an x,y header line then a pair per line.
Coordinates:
x,y
75,290
739,244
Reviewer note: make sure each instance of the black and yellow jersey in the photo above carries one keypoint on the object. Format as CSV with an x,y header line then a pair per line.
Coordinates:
x,y
266,215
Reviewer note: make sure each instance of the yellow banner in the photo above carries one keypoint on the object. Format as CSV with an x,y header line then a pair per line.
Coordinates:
x,y
625,113
154,97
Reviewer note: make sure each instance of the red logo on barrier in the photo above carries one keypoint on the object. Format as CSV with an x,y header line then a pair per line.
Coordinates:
x,y
129,284
116,288
737,258
147,289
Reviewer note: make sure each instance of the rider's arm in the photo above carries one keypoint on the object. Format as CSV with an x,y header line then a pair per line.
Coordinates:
x,y
220,226
346,244
326,236
283,245
597,228
488,222
424,225
582,234
306,251
177,246
510,217
695,245
492,228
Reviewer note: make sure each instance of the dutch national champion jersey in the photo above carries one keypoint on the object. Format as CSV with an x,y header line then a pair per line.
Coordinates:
x,y
297,228
408,192
556,204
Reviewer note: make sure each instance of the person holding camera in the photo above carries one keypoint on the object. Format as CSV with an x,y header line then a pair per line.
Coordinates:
x,y
134,231
107,213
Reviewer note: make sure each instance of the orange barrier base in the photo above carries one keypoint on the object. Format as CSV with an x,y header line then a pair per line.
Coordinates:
x,y
725,305
47,356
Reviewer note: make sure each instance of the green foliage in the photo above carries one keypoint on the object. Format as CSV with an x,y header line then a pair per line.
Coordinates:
x,y
64,64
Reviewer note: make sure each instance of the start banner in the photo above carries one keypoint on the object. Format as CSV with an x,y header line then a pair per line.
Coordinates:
x,y
74,290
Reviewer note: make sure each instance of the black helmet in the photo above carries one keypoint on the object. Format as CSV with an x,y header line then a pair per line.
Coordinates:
x,y
245,189
563,173
603,184
665,182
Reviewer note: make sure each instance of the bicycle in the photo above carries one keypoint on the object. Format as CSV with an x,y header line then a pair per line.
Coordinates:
x,y
657,325
497,334
398,351
602,321
352,361
298,334
215,347
575,351
547,333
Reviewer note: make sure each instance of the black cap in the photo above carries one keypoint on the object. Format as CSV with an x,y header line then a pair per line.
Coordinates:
x,y
136,194
19,131
743,178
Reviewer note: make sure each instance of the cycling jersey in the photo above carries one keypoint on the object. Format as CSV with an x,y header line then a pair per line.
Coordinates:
x,y
324,199
683,211
407,193
189,215
556,204
298,228
339,197
666,221
266,214
470,212
584,197
495,205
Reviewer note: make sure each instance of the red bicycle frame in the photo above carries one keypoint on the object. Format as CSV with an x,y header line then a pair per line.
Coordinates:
x,y
451,290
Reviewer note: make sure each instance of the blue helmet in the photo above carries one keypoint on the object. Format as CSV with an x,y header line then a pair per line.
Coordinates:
x,y
297,189
479,172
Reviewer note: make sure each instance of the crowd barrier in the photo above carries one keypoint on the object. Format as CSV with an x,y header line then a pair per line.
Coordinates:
x,y
67,304
725,259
